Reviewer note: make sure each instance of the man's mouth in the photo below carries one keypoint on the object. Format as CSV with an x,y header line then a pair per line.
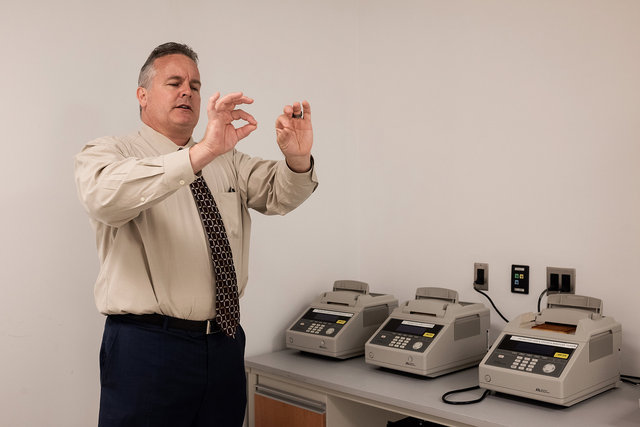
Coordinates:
x,y
184,107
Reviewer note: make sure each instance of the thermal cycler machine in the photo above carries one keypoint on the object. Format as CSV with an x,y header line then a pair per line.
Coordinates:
x,y
563,355
338,323
431,335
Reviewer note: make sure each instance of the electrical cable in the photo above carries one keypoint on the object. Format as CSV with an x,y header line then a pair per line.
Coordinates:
x,y
540,298
464,402
491,301
630,379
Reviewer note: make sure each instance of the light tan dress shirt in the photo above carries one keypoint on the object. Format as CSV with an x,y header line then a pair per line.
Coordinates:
x,y
153,252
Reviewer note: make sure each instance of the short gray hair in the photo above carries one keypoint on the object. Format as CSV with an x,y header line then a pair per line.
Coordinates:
x,y
148,71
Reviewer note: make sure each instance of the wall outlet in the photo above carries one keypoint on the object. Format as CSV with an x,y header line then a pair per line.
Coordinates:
x,y
481,276
561,280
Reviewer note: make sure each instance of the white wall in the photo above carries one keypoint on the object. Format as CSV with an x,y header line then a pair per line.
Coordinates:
x,y
446,133
68,75
502,132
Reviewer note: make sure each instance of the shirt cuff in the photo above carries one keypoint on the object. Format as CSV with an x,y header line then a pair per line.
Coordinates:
x,y
299,178
178,170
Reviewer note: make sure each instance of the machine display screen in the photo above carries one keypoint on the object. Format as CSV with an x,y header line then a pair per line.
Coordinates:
x,y
537,346
412,328
329,316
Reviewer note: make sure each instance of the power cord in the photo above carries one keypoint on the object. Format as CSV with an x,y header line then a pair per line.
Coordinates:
x,y
491,301
540,298
625,378
630,379
464,402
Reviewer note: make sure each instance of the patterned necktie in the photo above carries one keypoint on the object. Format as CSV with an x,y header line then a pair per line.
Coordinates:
x,y
227,306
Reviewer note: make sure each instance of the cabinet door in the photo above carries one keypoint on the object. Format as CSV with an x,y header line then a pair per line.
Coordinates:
x,y
282,411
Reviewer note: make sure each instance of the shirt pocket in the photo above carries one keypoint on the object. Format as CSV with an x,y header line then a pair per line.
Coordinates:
x,y
230,210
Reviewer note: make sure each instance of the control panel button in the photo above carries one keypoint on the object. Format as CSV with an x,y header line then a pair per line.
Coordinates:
x,y
417,345
548,368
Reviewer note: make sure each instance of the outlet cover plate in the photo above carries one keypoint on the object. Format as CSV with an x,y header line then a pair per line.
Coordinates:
x,y
481,266
561,280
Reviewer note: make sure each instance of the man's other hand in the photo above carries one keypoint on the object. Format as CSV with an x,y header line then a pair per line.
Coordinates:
x,y
295,135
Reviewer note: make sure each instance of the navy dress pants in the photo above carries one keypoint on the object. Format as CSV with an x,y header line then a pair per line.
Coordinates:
x,y
151,376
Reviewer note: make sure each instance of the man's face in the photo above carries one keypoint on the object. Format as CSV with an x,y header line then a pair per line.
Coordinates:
x,y
171,103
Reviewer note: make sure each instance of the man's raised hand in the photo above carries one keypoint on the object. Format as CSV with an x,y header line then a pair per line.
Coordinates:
x,y
221,135
295,135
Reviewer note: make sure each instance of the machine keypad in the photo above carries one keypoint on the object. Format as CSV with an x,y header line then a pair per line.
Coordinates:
x,y
541,365
524,363
399,341
315,328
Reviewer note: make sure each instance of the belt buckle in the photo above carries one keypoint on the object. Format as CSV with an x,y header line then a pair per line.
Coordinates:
x,y
210,329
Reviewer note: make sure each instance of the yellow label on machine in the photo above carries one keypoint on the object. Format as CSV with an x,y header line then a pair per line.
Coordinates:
x,y
561,355
428,335
341,321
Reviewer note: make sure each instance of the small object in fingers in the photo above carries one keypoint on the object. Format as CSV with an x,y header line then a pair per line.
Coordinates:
x,y
297,116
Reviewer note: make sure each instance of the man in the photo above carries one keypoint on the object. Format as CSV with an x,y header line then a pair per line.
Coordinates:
x,y
173,260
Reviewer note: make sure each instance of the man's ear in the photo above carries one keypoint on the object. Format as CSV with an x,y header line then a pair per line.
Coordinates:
x,y
141,94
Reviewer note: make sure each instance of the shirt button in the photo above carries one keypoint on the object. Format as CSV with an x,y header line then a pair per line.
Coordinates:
x,y
142,199
182,182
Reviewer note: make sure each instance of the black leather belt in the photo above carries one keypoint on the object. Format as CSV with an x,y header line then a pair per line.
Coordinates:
x,y
205,326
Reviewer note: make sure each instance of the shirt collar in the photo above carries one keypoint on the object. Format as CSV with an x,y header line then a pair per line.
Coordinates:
x,y
161,142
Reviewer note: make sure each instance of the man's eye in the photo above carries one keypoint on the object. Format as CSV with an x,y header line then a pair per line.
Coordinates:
x,y
173,84
197,89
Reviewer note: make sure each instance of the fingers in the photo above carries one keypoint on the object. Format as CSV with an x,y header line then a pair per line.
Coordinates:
x,y
228,102
306,110
243,115
282,121
245,130
283,135
211,105
297,110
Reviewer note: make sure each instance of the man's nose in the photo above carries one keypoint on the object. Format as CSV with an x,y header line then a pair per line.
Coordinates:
x,y
185,90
